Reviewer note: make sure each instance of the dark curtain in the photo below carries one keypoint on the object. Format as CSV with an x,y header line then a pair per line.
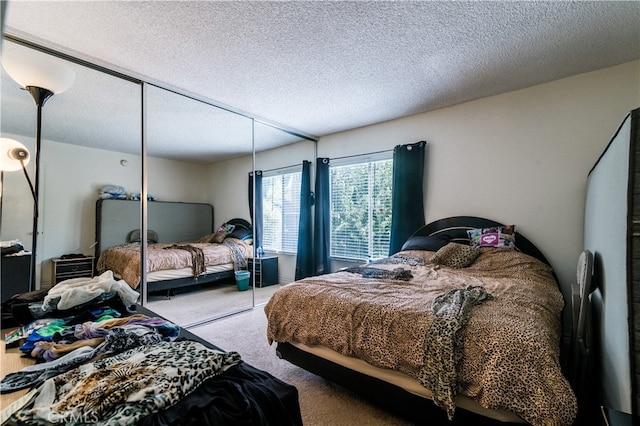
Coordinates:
x,y
257,225
321,231
304,257
407,202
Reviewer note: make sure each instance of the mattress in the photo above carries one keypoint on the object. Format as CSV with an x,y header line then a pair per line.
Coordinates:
x,y
171,274
403,381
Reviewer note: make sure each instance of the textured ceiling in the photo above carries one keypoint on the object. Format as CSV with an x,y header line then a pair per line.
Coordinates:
x,y
322,67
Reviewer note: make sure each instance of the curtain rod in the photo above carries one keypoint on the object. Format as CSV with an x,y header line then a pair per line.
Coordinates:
x,y
284,167
377,152
361,155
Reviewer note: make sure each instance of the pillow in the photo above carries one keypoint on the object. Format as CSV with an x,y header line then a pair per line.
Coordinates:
x,y
455,255
497,236
222,232
134,236
426,242
204,239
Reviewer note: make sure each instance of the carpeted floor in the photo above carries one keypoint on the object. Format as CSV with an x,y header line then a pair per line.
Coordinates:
x,y
321,402
213,300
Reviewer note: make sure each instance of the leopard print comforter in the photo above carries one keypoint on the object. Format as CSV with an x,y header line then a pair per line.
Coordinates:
x,y
124,260
510,343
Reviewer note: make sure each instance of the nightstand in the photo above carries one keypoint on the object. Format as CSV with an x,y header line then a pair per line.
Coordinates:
x,y
77,267
266,270
16,274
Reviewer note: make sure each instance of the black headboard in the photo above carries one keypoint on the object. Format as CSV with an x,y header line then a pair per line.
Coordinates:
x,y
171,221
456,228
240,222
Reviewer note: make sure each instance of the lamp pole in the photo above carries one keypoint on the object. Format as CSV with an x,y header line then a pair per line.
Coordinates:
x,y
34,71
40,96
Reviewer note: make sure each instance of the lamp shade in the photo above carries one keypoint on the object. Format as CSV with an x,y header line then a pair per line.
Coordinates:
x,y
11,154
29,67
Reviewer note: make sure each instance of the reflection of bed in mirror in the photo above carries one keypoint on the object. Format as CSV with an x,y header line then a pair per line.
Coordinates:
x,y
374,330
183,248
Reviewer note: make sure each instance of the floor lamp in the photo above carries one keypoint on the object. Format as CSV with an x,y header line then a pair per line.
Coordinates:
x,y
42,76
14,156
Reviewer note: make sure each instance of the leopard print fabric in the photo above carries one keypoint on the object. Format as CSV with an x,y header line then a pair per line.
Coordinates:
x,y
125,388
511,345
444,347
455,255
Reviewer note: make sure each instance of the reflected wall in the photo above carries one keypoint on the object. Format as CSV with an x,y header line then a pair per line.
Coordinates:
x,y
77,158
276,152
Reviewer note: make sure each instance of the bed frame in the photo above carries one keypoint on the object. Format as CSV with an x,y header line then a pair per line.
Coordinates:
x,y
117,219
417,409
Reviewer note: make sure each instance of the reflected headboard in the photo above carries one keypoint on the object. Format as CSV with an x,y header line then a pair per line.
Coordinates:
x,y
171,221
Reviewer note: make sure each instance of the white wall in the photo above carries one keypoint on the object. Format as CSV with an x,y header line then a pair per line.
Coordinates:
x,y
518,158
227,183
181,181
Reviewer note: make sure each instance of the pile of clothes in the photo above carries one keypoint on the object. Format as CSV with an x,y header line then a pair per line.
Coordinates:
x,y
12,248
103,360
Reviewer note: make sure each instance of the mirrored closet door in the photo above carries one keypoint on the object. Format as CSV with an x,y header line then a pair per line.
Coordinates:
x,y
279,157
208,171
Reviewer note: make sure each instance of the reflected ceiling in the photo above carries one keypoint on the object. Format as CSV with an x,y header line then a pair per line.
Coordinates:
x,y
182,128
324,67
98,111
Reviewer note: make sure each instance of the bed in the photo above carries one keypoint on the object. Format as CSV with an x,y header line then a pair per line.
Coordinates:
x,y
183,248
474,331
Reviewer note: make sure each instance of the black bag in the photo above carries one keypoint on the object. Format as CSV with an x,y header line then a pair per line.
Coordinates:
x,y
6,309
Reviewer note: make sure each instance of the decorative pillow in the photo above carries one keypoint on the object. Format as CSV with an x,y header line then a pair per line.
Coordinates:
x,y
456,255
222,232
426,242
498,236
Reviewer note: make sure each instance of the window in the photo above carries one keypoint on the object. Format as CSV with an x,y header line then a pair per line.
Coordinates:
x,y
281,211
361,209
